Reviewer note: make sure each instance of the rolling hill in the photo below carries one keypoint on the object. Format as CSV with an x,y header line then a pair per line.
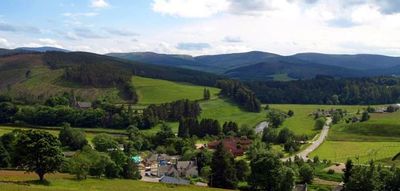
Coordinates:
x,y
36,76
297,69
258,65
358,61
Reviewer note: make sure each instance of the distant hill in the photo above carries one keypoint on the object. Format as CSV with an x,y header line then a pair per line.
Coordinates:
x,y
224,62
209,63
24,50
257,65
42,49
35,76
358,61
12,51
296,69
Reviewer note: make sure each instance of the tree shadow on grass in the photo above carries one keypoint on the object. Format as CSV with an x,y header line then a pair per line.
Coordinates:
x,y
28,182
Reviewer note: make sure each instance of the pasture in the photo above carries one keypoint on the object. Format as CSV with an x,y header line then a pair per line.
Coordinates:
x,y
380,127
19,180
225,110
154,91
302,123
360,151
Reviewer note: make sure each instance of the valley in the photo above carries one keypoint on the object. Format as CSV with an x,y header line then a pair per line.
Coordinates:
x,y
200,95
172,112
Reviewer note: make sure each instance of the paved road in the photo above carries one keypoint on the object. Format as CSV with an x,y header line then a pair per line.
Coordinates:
x,y
324,133
261,126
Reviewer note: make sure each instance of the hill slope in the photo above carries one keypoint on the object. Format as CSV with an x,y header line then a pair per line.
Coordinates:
x,y
40,75
304,65
358,61
155,91
294,68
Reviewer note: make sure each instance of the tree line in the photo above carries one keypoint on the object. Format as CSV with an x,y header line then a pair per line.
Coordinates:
x,y
61,109
327,90
240,94
370,177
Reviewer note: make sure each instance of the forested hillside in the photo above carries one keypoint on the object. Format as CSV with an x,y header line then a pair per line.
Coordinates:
x,y
327,90
37,76
256,65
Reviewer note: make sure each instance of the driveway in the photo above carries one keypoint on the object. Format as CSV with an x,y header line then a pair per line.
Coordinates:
x,y
261,126
324,133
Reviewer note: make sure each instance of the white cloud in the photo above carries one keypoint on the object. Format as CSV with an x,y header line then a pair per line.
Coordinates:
x,y
99,4
232,39
190,8
43,42
74,15
4,43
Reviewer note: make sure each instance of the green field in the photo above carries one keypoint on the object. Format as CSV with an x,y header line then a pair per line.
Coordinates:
x,y
18,180
377,139
154,91
381,127
302,123
340,151
224,110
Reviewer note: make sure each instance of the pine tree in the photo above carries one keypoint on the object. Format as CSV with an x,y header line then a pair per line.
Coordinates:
x,y
347,171
206,94
223,173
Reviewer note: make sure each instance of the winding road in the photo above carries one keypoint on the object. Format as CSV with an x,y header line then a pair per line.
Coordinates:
x,y
324,133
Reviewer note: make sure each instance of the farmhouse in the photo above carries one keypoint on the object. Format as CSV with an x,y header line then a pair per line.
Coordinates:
x,y
180,169
235,145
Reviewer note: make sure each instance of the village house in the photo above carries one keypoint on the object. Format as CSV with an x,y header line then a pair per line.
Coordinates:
x,y
235,145
180,169
173,180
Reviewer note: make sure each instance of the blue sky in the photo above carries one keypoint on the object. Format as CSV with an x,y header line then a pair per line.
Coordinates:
x,y
199,27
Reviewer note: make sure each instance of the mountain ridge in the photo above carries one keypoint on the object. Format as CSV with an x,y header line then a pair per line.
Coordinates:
x,y
230,65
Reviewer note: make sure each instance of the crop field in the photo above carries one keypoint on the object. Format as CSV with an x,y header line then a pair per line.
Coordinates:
x,y
154,91
363,152
302,122
19,180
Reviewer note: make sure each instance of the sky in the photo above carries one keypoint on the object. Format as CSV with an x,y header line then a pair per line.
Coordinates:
x,y
199,27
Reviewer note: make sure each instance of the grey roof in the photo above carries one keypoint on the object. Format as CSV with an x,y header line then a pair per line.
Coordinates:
x,y
173,180
84,104
185,165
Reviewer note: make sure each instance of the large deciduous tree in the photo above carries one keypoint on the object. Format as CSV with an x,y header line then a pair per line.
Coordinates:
x,y
72,138
39,152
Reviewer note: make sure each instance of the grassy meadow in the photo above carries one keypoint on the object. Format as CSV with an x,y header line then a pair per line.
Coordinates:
x,y
19,180
302,122
225,110
377,139
154,91
360,151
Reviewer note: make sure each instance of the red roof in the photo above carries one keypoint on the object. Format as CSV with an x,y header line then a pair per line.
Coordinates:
x,y
236,146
